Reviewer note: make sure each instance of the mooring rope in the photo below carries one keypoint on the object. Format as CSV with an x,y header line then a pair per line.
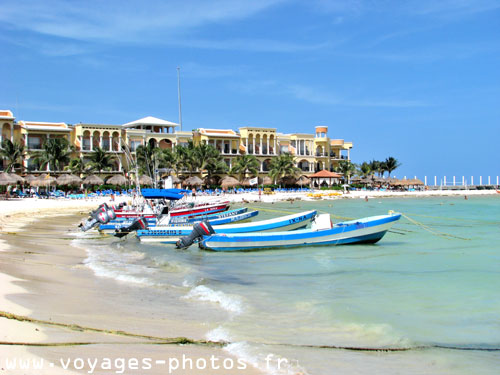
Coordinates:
x,y
447,236
156,340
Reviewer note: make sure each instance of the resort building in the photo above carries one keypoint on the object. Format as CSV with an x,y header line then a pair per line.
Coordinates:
x,y
312,152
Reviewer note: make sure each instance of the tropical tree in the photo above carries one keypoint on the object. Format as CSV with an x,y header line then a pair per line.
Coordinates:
x,y
77,166
283,166
56,153
148,158
12,153
377,167
186,158
216,166
391,164
346,168
244,164
100,160
365,169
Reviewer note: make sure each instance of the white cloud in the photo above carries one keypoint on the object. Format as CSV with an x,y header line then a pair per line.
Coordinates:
x,y
126,21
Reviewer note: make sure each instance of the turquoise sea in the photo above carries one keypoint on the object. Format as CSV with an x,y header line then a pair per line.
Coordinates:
x,y
437,296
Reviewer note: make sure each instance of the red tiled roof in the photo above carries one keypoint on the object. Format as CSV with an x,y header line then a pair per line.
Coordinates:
x,y
325,174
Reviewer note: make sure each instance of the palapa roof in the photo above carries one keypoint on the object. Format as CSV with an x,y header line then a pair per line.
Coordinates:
x,y
16,177
229,181
5,179
326,174
68,179
145,180
93,180
43,180
117,180
193,181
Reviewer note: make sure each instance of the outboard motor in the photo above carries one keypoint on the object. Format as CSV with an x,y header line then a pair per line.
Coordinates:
x,y
102,215
199,230
119,206
140,223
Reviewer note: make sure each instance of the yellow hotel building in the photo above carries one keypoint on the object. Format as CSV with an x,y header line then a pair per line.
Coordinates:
x,y
312,152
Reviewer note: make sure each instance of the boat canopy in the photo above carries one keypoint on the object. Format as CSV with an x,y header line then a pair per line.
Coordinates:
x,y
171,194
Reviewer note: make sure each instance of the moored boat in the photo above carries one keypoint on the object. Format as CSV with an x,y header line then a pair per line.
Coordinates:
x,y
227,217
171,234
322,232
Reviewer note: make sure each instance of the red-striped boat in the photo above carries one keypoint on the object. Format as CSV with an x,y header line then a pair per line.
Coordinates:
x,y
183,211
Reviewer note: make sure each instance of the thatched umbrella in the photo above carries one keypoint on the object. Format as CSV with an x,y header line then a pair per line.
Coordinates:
x,y
16,177
303,180
393,181
117,180
288,180
415,182
5,179
68,179
229,181
176,180
29,178
193,181
43,180
93,180
145,180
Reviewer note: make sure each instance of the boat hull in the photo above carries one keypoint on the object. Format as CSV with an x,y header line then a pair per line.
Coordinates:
x,y
153,222
368,230
172,234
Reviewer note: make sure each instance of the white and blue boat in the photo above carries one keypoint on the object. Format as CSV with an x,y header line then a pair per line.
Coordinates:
x,y
322,232
231,216
171,234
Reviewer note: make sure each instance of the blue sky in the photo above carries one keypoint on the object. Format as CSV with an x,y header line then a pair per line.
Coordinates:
x,y
417,79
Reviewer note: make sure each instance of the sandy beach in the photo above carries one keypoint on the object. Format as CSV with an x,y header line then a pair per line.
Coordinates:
x,y
43,278
80,317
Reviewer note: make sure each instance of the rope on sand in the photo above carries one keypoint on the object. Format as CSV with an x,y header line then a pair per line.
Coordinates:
x,y
79,328
155,340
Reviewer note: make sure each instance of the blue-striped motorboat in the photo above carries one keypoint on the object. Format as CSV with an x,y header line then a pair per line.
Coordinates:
x,y
166,220
171,234
322,232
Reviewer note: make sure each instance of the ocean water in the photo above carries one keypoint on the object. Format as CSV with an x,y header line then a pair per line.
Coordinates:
x,y
432,290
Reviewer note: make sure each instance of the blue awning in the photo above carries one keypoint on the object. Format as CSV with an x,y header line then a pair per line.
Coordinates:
x,y
161,193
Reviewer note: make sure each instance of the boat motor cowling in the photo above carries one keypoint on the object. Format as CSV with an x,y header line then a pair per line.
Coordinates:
x,y
102,215
140,223
199,230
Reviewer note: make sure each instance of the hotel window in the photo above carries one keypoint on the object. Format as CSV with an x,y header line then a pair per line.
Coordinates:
x,y
34,143
284,149
134,145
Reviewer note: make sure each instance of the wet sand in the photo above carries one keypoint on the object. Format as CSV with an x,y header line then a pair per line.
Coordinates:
x,y
43,277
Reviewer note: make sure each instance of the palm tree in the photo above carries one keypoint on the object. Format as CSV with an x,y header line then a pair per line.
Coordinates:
x,y
210,160
377,166
55,154
167,158
147,159
100,160
186,158
13,153
282,166
77,166
391,164
365,169
346,168
216,166
244,164
205,155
